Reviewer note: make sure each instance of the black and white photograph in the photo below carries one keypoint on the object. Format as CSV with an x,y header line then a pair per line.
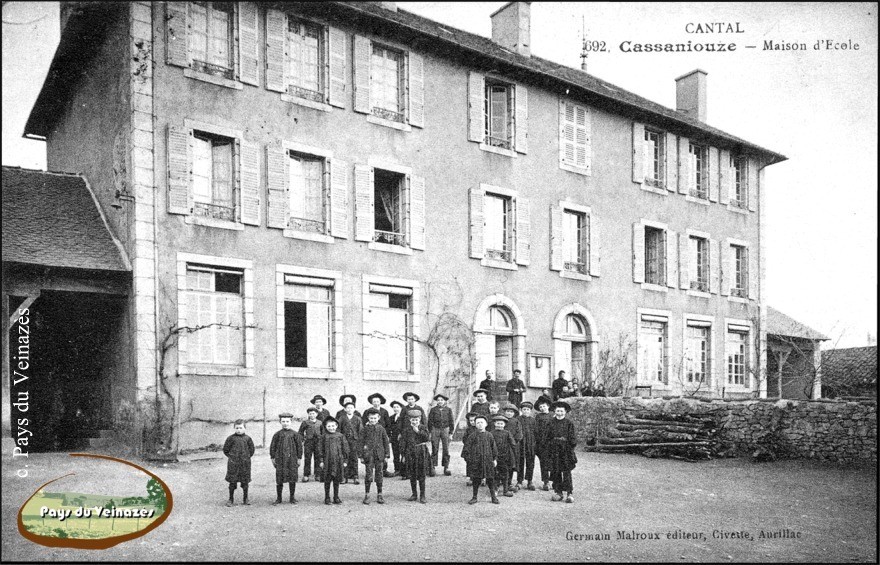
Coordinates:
x,y
439,281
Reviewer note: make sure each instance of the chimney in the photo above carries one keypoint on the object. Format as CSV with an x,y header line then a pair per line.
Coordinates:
x,y
511,27
690,94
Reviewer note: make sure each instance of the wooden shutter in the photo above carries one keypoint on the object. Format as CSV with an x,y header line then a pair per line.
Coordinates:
x,y
336,66
728,177
638,248
476,108
584,139
684,165
753,184
523,232
338,198
417,212
278,203
362,55
684,261
276,56
713,174
638,163
521,118
566,132
726,267
714,267
595,256
671,157
752,273
249,156
363,203
179,196
416,90
176,26
671,241
556,238
248,57
477,248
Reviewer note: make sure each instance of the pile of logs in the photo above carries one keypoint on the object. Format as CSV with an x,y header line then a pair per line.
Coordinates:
x,y
680,436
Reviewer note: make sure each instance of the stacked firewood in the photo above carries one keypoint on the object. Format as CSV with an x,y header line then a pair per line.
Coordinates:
x,y
654,434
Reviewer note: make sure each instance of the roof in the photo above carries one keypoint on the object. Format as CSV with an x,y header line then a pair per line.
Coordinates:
x,y
782,325
851,365
82,33
52,219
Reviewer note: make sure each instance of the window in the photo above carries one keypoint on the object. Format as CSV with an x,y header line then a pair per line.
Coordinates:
x,y
697,352
737,355
212,174
655,256
574,139
499,319
388,343
497,230
739,268
655,158
305,60
699,263
307,324
389,208
499,115
214,315
698,184
386,87
307,193
574,244
740,195
652,349
210,37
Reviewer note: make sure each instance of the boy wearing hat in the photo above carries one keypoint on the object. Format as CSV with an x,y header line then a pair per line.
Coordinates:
x,y
414,441
527,447
343,400
286,450
542,419
440,427
481,402
239,448
376,401
319,401
310,429
561,440
515,388
504,452
350,425
481,456
393,431
514,428
468,432
410,398
375,448
333,450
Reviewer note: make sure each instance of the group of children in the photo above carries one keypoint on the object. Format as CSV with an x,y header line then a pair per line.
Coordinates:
x,y
412,441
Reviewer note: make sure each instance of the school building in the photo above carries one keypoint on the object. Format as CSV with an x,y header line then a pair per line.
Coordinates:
x,y
318,198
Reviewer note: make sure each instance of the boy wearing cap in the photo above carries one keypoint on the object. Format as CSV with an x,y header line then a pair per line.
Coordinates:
x,y
286,450
515,388
375,448
319,401
239,448
542,419
393,431
333,450
504,453
350,425
514,428
440,427
561,441
310,429
527,447
376,401
481,456
414,441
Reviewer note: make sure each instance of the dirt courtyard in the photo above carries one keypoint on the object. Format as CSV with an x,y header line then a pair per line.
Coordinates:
x,y
825,512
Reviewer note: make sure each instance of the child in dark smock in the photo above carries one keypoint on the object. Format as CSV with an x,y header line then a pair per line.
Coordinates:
x,y
239,448
561,440
310,430
333,450
415,442
481,455
286,450
542,420
468,432
505,453
514,428
350,425
526,462
375,449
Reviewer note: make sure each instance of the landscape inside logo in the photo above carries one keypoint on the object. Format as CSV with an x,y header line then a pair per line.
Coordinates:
x,y
103,502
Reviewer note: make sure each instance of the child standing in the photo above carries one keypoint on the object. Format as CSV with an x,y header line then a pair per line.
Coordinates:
x,y
393,431
310,430
542,419
527,447
333,450
481,403
504,453
376,401
468,432
286,450
350,425
561,440
375,449
239,448
481,456
415,440
319,401
514,428
345,399
440,427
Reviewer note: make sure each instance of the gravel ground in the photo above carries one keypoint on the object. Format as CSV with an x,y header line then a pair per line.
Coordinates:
x,y
832,508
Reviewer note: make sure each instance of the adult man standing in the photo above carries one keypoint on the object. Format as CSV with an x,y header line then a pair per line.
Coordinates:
x,y
488,384
515,388
481,402
560,387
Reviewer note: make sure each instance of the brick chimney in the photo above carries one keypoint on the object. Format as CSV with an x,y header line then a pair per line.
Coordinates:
x,y
511,27
690,94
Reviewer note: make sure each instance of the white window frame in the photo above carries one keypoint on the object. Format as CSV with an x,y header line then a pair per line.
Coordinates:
x,y
692,263
184,366
413,374
739,326
193,73
690,320
406,222
290,94
662,285
235,136
488,82
661,316
587,212
321,153
731,245
511,195
656,182
405,86
742,185
698,182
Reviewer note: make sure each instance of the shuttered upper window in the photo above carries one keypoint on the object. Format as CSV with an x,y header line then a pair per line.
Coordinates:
x,y
698,171
497,114
698,257
575,148
305,60
500,227
307,193
574,241
740,270
740,196
655,256
388,84
655,158
210,37
389,208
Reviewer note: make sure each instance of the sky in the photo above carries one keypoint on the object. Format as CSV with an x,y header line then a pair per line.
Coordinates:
x,y
817,107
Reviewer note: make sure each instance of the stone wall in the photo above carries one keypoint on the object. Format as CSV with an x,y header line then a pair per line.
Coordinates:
x,y
828,430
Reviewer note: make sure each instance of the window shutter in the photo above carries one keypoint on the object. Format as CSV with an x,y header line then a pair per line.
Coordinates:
x,y
416,90
684,258
338,198
728,177
476,221
556,237
638,253
417,212
362,55
684,165
276,28
595,256
713,174
752,273
753,185
248,58
179,198
521,118
671,162
363,203
584,139
175,34
726,267
714,267
671,240
278,205
336,66
523,232
638,154
249,156
566,132
476,108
